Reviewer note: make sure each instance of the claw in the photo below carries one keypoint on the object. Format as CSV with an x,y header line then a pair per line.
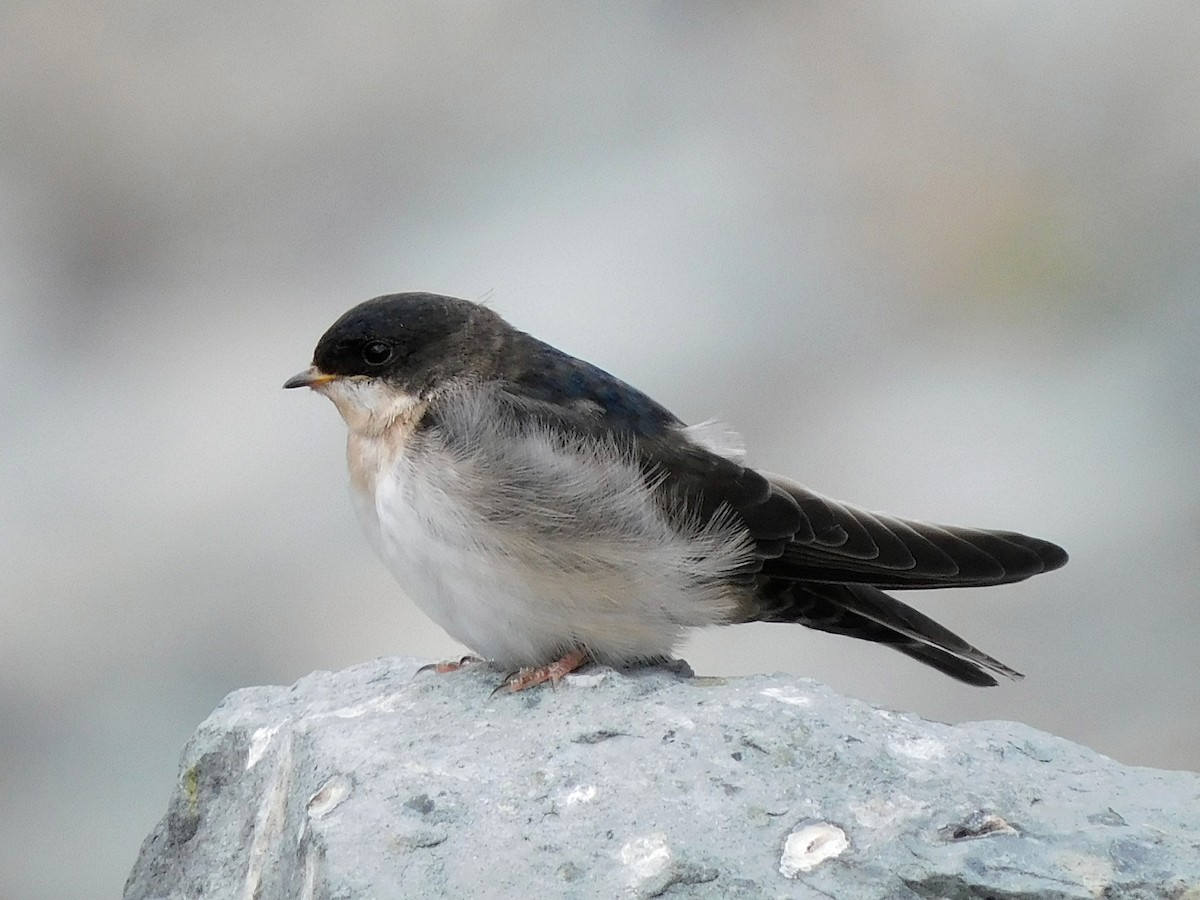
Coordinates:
x,y
554,673
448,665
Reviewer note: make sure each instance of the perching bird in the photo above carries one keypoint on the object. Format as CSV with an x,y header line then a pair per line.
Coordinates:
x,y
545,513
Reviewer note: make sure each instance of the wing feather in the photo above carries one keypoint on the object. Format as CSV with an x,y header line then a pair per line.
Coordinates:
x,y
817,561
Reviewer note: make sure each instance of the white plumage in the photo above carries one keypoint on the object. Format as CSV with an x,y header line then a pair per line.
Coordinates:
x,y
525,544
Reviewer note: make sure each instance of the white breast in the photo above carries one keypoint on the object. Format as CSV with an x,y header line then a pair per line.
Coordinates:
x,y
524,545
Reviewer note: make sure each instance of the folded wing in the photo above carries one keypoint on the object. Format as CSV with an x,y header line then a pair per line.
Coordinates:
x,y
840,543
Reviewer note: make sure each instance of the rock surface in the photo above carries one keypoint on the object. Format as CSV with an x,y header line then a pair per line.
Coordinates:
x,y
379,782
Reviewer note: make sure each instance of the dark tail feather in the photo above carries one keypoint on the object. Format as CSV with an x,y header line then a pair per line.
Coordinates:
x,y
867,613
947,663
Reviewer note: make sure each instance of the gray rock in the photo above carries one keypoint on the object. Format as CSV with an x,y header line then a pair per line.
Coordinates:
x,y
375,782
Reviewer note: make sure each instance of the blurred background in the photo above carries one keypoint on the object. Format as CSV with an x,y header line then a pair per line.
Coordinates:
x,y
936,260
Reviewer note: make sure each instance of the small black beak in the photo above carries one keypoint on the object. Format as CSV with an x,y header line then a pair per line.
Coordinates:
x,y
310,377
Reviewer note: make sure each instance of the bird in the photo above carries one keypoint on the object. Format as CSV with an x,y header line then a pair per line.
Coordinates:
x,y
547,514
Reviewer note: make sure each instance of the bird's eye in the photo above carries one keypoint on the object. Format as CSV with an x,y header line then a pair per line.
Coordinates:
x,y
376,353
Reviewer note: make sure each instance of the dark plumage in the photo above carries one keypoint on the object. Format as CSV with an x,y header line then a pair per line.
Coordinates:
x,y
812,560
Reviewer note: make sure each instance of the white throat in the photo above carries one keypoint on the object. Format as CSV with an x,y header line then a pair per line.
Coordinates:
x,y
369,405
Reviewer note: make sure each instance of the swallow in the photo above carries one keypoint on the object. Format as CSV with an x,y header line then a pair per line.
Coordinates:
x,y
547,514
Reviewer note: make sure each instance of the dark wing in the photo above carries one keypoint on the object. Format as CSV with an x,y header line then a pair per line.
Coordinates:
x,y
580,398
799,534
818,562
826,573
829,576
845,544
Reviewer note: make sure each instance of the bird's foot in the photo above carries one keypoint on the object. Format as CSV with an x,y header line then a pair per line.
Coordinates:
x,y
553,673
449,665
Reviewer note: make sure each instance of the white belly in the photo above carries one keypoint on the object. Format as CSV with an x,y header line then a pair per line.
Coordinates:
x,y
624,585
459,584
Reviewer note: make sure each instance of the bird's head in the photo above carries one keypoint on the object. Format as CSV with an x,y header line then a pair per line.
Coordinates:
x,y
388,354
